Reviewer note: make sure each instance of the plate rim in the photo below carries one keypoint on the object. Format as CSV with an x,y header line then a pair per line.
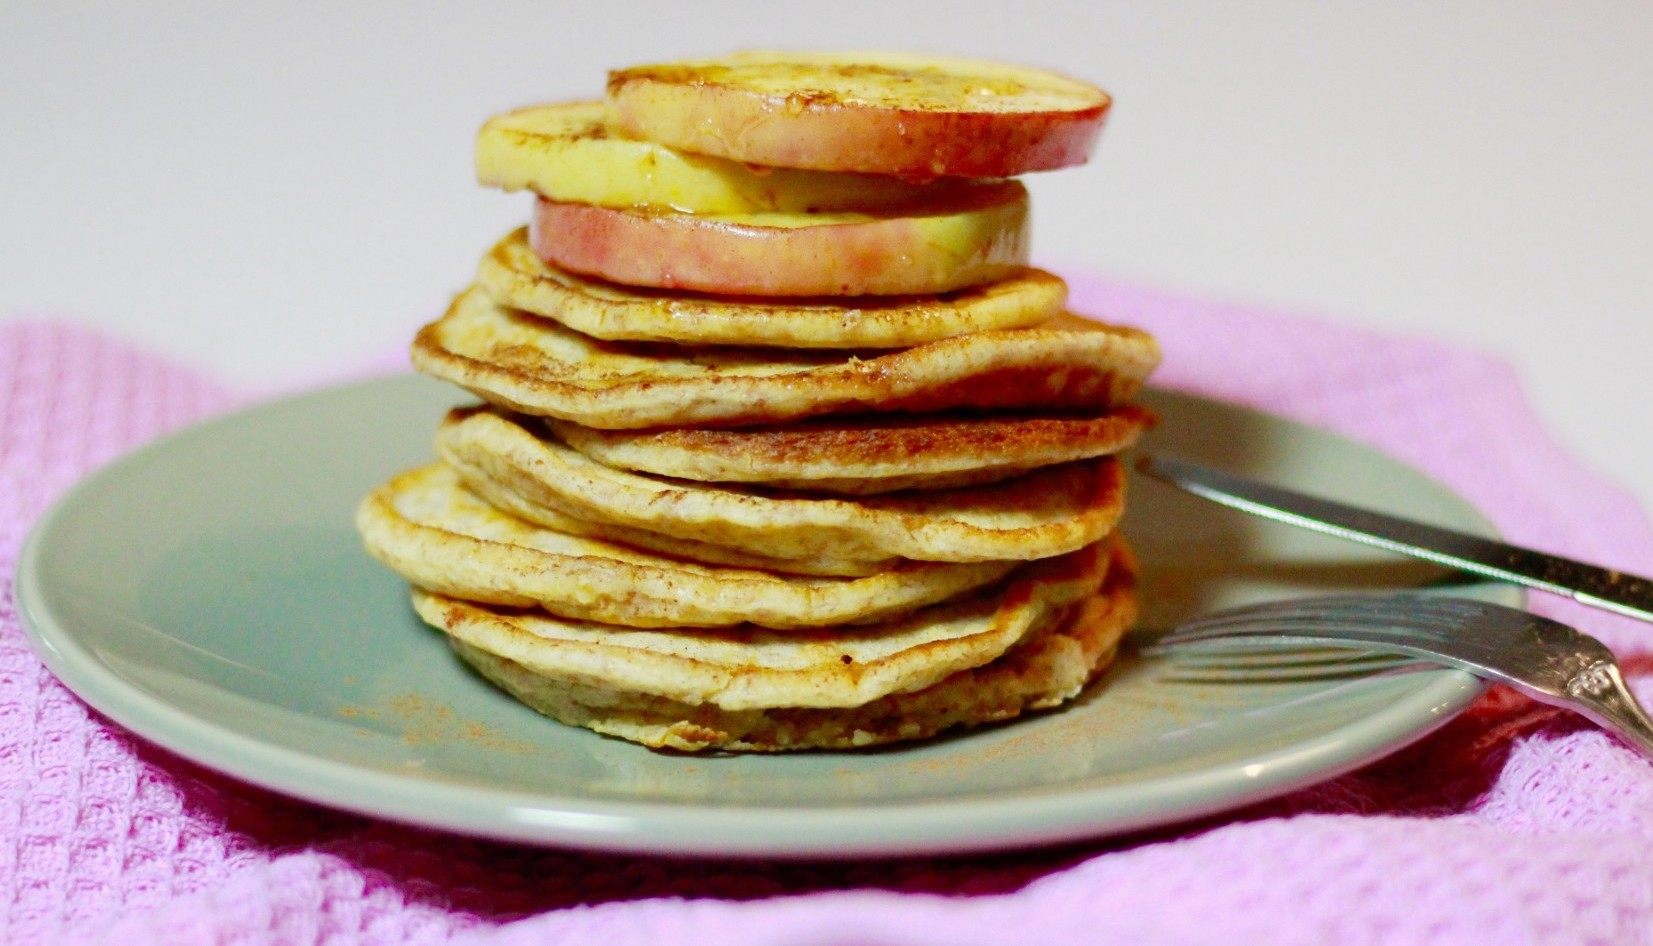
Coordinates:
x,y
1015,818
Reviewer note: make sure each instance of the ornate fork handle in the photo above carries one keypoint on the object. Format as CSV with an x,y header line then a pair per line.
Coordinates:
x,y
1599,692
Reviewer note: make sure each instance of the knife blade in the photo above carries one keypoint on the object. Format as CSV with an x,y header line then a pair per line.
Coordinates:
x,y
1593,585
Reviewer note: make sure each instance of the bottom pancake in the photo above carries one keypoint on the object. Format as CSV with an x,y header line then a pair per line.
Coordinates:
x,y
1043,671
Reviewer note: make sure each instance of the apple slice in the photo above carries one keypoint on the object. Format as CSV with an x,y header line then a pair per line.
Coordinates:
x,y
565,152
978,235
916,117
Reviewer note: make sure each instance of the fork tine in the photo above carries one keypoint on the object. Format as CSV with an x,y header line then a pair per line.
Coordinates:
x,y
1221,674
1257,661
1368,603
1257,646
1453,627
1276,657
1390,607
1415,611
1341,629
1419,624
1472,656
1441,634
1426,617
1351,637
1322,633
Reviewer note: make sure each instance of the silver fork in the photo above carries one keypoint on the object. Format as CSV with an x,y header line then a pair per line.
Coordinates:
x,y
1545,659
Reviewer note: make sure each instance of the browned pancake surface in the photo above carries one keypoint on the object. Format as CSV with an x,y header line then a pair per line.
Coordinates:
x,y
864,455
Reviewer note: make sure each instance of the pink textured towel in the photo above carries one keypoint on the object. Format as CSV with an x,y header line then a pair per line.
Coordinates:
x,y
1513,824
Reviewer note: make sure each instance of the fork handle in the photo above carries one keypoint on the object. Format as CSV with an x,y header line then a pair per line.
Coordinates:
x,y
1599,692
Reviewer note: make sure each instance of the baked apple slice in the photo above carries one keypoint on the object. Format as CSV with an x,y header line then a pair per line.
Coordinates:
x,y
978,235
916,117
566,152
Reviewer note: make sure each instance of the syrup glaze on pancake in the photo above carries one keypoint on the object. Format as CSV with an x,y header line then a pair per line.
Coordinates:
x,y
865,455
537,366
1047,668
1045,513
438,535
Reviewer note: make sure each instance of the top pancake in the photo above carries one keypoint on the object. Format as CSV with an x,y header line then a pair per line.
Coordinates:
x,y
514,276
536,366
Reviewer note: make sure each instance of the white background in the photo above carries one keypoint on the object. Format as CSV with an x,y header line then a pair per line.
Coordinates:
x,y
279,192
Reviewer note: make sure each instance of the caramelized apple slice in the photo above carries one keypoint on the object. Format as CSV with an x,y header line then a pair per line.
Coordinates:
x,y
977,236
917,117
567,153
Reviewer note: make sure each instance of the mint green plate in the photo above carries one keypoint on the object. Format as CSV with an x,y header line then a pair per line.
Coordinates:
x,y
209,593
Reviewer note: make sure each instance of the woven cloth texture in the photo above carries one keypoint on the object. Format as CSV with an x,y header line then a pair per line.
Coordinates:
x,y
1512,824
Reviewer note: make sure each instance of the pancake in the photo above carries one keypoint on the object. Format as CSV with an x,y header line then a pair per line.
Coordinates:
x,y
1045,513
537,366
427,527
515,277
745,668
694,551
1046,669
864,455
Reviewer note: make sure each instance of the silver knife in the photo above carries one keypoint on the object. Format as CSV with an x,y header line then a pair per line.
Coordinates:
x,y
1590,584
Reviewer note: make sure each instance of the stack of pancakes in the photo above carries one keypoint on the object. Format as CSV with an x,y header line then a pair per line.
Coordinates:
x,y
819,517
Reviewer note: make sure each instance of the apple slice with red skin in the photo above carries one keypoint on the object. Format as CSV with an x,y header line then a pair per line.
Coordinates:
x,y
979,235
917,117
566,152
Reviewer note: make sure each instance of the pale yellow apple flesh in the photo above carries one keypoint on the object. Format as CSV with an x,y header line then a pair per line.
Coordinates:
x,y
565,152
917,117
979,238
